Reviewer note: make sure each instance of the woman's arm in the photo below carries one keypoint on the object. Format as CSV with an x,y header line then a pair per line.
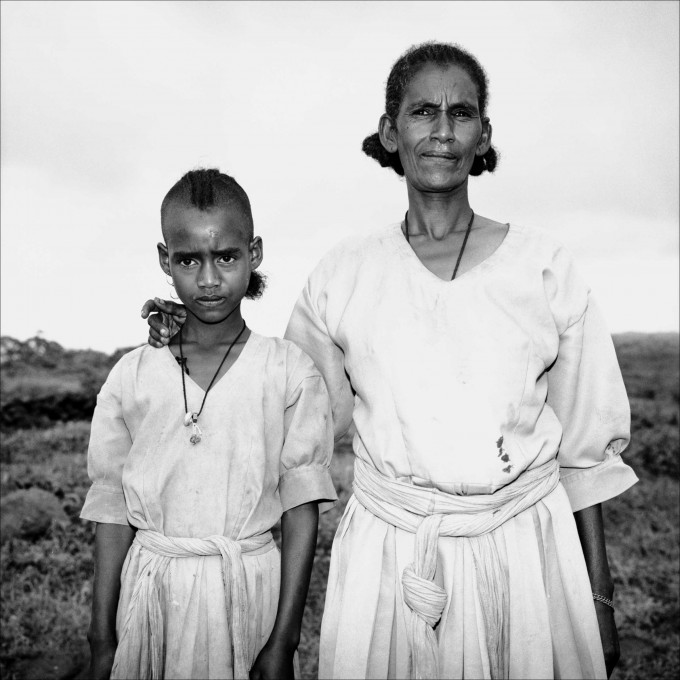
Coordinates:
x,y
590,528
299,527
164,318
112,542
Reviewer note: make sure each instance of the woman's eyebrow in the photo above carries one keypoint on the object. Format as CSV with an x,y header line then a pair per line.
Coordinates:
x,y
425,102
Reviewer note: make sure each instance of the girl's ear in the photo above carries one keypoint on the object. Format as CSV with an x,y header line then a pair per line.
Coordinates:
x,y
387,131
256,252
164,258
484,143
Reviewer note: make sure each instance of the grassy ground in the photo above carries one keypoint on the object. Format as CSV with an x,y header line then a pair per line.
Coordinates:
x,y
46,584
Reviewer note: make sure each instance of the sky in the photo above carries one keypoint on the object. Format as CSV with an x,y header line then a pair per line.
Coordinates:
x,y
104,105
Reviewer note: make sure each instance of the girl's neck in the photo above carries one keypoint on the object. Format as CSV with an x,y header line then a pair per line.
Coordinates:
x,y
211,335
437,215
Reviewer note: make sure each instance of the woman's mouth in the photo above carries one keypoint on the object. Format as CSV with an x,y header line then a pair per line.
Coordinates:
x,y
440,155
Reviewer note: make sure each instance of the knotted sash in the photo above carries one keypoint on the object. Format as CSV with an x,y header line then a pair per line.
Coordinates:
x,y
430,513
140,646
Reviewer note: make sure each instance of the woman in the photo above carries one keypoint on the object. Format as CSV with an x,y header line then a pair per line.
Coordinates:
x,y
490,416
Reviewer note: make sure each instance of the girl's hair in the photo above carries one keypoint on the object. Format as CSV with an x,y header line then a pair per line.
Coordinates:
x,y
208,188
404,69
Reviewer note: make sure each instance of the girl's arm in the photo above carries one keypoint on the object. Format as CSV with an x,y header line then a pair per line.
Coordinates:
x,y
112,542
299,527
591,533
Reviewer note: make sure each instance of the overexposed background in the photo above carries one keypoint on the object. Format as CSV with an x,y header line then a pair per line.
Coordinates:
x,y
106,104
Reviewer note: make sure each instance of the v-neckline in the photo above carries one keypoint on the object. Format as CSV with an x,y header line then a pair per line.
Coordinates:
x,y
410,254
229,372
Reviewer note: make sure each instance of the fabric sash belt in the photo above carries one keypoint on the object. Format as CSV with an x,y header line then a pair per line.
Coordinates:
x,y
142,627
430,513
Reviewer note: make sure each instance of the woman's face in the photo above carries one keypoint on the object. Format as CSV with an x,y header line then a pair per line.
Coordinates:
x,y
439,129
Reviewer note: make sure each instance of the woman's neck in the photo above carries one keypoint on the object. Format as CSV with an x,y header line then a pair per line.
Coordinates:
x,y
437,215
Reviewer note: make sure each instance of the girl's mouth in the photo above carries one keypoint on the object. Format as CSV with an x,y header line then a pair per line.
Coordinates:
x,y
210,301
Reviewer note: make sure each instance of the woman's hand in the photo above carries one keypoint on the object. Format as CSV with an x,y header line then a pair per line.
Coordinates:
x,y
609,636
165,323
274,662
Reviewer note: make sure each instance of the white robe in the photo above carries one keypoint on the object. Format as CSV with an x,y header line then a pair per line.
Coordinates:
x,y
461,386
266,447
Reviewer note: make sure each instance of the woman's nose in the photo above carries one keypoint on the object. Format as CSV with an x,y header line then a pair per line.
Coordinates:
x,y
443,128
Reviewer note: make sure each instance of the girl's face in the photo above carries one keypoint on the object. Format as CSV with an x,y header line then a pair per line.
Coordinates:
x,y
439,129
209,255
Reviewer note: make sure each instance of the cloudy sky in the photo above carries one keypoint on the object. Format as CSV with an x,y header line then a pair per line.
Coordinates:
x,y
106,104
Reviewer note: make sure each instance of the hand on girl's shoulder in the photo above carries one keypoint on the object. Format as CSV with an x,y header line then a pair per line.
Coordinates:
x,y
164,318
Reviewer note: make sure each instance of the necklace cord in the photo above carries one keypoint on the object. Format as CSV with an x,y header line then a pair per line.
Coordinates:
x,y
182,367
462,248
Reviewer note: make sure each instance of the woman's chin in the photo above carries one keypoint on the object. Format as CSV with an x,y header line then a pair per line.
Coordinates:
x,y
439,182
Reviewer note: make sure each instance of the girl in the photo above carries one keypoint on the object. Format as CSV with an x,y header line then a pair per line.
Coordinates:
x,y
196,451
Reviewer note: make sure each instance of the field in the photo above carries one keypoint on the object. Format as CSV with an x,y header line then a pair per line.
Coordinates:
x,y
46,582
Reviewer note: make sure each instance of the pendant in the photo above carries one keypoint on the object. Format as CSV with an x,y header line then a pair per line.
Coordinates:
x,y
188,419
196,436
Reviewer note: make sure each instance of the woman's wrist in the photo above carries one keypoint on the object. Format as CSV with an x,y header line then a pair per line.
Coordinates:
x,y
602,586
102,638
602,599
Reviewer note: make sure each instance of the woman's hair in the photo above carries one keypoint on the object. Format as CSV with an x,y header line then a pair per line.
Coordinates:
x,y
208,188
404,69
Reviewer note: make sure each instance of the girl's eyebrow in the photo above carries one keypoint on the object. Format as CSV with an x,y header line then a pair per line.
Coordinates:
x,y
186,254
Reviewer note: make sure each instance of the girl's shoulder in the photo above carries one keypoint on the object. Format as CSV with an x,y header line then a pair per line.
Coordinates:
x,y
129,365
145,353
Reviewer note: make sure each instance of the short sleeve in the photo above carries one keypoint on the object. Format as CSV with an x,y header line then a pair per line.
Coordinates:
x,y
587,393
308,331
110,443
304,473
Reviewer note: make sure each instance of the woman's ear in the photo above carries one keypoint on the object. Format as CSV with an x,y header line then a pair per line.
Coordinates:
x,y
484,143
164,258
387,131
256,252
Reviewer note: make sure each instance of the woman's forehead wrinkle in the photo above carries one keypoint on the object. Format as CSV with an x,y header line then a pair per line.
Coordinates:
x,y
453,84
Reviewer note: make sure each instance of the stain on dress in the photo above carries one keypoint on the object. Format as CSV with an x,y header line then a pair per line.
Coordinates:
x,y
503,454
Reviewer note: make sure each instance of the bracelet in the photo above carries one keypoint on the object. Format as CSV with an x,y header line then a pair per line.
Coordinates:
x,y
603,599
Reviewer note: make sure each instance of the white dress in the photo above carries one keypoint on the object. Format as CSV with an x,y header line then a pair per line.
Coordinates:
x,y
461,386
266,447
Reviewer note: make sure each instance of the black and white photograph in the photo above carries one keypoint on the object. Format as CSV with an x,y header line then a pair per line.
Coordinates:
x,y
339,339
